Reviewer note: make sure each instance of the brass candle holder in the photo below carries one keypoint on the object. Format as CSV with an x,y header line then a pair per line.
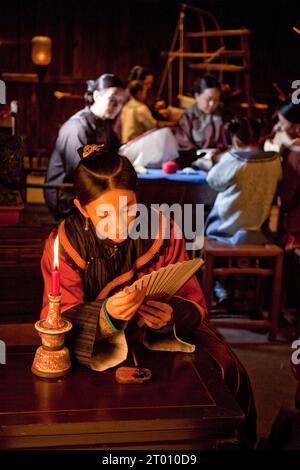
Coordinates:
x,y
52,359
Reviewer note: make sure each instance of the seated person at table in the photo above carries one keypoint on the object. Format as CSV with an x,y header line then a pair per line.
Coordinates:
x,y
289,119
289,194
246,179
89,125
96,264
284,132
146,78
142,75
201,126
136,117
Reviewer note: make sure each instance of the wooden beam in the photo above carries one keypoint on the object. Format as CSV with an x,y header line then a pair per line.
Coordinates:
x,y
33,78
217,33
187,55
191,55
239,323
257,271
220,67
215,54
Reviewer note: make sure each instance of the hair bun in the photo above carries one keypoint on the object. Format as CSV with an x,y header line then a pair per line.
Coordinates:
x,y
232,126
90,85
91,150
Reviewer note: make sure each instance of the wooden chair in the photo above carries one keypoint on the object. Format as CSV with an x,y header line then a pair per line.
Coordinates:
x,y
261,260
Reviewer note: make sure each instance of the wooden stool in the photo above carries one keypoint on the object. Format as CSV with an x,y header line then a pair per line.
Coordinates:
x,y
244,259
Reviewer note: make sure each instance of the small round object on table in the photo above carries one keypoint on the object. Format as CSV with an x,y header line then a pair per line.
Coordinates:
x,y
169,167
133,375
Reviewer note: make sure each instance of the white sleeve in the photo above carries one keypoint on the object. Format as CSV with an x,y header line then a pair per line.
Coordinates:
x,y
223,173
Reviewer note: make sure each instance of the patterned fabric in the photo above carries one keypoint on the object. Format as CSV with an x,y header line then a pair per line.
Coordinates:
x,y
84,318
100,260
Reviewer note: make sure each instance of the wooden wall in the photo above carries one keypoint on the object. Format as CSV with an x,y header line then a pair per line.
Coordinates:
x,y
98,36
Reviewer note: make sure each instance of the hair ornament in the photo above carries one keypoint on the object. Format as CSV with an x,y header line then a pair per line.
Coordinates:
x,y
87,150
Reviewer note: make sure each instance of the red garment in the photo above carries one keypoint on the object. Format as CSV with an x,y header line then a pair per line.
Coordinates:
x,y
289,193
201,332
71,284
197,130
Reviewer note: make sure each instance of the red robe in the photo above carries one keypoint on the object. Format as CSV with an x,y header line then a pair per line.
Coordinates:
x,y
289,192
188,307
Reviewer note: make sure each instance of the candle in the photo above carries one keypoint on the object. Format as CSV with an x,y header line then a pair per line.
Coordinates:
x,y
55,289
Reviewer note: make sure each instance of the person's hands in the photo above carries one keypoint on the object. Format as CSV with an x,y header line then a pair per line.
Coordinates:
x,y
155,314
123,306
281,137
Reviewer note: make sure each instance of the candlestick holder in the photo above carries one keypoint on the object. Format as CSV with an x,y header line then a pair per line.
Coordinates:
x,y
52,359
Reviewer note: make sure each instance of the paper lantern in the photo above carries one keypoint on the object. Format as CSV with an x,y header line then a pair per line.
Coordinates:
x,y
41,53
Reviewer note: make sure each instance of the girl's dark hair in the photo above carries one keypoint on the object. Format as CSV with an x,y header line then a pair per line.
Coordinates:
x,y
290,111
247,130
138,73
88,96
134,87
202,83
100,172
106,80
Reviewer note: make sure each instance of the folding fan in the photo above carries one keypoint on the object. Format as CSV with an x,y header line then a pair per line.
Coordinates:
x,y
167,280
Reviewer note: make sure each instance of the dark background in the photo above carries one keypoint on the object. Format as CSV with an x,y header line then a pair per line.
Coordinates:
x,y
98,36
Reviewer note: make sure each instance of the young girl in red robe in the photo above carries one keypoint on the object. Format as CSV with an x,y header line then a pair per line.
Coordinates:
x,y
95,270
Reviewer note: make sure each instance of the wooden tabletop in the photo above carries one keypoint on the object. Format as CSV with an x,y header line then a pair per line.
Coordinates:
x,y
184,406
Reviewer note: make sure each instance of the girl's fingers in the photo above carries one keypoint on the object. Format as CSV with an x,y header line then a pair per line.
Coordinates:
x,y
127,300
153,322
118,308
160,305
155,312
125,314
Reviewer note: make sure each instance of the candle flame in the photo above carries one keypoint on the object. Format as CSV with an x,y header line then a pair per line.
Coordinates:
x,y
56,244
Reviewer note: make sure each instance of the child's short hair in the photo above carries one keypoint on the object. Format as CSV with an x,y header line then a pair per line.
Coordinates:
x,y
247,130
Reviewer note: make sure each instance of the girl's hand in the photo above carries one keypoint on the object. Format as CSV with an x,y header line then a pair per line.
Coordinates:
x,y
155,314
123,306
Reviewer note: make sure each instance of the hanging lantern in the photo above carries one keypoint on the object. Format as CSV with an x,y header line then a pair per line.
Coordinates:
x,y
41,54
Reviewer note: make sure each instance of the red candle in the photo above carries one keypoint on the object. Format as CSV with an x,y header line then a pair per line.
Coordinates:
x,y
55,289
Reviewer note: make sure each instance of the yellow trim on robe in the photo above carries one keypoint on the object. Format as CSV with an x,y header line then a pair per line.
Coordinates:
x,y
63,239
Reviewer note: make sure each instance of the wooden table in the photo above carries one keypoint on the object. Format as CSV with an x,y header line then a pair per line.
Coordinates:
x,y
158,188
184,406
